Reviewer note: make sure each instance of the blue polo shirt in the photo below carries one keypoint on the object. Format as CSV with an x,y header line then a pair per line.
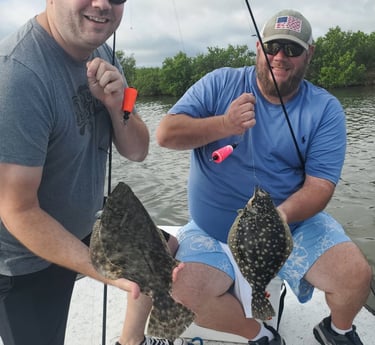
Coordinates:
x,y
266,154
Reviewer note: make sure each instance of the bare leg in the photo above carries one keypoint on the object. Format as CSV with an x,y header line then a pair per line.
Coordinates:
x,y
344,275
203,289
137,312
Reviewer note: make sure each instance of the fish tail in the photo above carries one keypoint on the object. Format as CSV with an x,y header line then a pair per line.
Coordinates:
x,y
261,307
168,319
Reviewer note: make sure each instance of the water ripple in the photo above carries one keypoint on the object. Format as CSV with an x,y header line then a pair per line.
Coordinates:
x,y
160,181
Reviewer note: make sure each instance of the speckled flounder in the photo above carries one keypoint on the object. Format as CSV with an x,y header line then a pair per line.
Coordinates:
x,y
125,243
260,242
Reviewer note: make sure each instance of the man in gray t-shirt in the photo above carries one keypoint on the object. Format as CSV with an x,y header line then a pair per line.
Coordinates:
x,y
60,98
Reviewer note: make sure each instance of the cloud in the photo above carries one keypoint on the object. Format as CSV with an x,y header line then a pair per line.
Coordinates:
x,y
153,30
14,13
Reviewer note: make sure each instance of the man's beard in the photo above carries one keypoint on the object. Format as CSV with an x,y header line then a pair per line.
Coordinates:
x,y
286,88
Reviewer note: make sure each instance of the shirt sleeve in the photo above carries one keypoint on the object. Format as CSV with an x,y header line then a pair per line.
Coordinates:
x,y
326,154
24,116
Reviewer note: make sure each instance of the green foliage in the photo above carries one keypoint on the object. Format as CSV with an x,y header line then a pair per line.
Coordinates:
x,y
180,72
128,66
147,81
340,59
219,57
176,75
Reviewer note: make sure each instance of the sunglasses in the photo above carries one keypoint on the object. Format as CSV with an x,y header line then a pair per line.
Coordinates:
x,y
290,49
117,2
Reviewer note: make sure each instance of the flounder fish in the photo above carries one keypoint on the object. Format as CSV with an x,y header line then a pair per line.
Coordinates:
x,y
126,243
260,242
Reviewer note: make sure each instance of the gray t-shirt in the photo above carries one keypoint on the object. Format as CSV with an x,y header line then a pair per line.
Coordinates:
x,y
49,118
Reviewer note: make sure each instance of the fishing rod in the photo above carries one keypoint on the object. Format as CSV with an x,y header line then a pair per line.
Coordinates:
x,y
275,83
223,149
130,96
109,183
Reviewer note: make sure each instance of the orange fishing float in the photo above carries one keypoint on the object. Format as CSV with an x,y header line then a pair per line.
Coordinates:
x,y
130,95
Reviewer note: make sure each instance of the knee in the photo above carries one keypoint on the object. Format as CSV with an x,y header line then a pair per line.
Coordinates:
x,y
366,273
187,296
360,270
197,284
184,286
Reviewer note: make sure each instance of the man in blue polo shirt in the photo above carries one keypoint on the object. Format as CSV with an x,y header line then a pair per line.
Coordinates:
x,y
296,155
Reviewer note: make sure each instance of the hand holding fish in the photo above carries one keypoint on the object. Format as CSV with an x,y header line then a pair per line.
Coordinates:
x,y
241,115
282,215
176,270
128,286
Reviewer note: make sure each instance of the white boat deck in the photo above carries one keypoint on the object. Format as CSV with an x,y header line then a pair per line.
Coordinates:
x,y
297,322
85,319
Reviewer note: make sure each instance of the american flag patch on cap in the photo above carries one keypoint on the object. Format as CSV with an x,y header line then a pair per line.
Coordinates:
x,y
289,23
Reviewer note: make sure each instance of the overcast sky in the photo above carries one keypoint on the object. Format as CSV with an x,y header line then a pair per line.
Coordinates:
x,y
153,30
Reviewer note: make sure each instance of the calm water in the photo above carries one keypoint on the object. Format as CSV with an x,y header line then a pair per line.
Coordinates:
x,y
160,181
354,200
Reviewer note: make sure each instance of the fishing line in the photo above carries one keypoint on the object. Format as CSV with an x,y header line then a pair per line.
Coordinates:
x,y
218,154
178,25
275,84
253,158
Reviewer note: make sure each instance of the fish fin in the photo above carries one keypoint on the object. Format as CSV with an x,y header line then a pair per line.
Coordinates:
x,y
261,307
98,255
168,319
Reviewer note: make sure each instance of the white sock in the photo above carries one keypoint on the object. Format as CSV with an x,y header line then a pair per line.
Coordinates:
x,y
264,332
340,331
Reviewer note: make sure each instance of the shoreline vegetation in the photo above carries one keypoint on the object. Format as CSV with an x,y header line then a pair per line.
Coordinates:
x,y
341,59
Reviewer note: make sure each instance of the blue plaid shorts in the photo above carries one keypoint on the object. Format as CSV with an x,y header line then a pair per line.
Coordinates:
x,y
311,237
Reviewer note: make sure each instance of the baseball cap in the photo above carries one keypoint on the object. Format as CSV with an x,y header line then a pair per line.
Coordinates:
x,y
288,25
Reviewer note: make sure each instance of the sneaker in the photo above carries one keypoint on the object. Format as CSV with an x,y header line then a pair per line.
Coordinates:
x,y
162,341
277,340
153,341
325,335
